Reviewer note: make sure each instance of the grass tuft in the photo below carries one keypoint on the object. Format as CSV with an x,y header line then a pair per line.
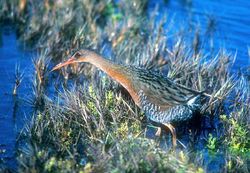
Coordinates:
x,y
85,122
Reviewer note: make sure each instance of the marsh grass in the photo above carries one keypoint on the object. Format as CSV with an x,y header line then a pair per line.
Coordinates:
x,y
40,79
90,123
18,79
86,133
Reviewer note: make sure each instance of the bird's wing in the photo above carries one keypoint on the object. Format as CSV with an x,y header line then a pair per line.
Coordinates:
x,y
164,93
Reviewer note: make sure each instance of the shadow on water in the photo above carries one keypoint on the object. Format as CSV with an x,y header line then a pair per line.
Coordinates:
x,y
14,110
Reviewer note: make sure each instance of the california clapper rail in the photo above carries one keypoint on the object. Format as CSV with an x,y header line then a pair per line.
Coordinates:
x,y
162,100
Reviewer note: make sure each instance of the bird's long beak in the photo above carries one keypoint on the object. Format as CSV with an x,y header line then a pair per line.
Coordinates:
x,y
65,63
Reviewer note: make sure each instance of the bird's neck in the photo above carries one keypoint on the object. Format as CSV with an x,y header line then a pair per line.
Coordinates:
x,y
115,71
103,64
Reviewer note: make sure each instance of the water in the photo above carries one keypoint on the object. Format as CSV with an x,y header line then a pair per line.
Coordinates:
x,y
229,23
222,24
230,30
13,109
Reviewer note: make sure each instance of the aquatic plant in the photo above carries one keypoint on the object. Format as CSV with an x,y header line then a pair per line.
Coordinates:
x,y
18,79
90,123
212,143
68,137
40,79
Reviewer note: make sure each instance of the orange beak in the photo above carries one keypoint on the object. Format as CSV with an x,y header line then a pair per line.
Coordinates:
x,y
60,65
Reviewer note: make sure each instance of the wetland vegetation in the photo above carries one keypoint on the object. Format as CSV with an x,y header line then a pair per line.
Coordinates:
x,y
83,121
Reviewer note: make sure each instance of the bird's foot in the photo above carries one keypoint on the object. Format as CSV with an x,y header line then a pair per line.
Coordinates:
x,y
172,130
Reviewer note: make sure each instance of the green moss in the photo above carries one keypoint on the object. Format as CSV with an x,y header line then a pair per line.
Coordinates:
x,y
92,92
59,165
212,143
122,131
104,130
111,11
92,107
141,155
50,164
135,128
237,140
110,100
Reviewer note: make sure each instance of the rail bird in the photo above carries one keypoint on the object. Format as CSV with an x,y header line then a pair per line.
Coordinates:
x,y
161,99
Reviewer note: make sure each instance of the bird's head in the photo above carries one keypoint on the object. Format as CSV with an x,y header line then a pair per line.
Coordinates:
x,y
79,56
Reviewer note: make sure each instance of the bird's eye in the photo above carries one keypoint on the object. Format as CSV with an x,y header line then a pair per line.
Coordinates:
x,y
77,55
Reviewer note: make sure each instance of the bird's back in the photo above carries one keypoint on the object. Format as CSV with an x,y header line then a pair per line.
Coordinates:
x,y
159,89
161,99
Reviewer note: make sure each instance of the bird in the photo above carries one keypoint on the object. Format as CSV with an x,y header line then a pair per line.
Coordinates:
x,y
161,99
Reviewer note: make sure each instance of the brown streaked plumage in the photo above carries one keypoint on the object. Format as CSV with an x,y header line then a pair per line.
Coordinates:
x,y
162,100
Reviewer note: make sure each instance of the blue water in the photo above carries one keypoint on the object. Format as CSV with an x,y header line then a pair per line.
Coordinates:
x,y
230,30
13,109
231,23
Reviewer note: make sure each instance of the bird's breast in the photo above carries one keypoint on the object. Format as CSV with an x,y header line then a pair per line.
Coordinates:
x,y
127,82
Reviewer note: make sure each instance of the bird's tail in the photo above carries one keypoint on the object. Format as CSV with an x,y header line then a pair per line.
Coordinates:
x,y
195,102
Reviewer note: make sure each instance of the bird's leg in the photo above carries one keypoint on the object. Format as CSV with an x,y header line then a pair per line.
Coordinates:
x,y
172,130
158,132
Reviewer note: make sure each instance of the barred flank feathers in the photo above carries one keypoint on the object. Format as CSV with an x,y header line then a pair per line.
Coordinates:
x,y
173,114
